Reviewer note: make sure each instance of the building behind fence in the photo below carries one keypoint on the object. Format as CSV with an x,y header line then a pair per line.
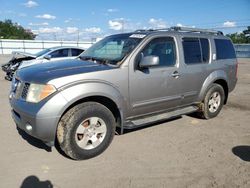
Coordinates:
x,y
33,46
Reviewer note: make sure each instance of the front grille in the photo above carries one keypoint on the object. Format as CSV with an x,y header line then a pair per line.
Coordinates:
x,y
20,89
25,90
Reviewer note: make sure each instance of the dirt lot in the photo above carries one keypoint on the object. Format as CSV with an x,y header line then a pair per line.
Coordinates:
x,y
186,152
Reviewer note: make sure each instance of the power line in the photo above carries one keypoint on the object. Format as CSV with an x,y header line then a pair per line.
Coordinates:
x,y
224,27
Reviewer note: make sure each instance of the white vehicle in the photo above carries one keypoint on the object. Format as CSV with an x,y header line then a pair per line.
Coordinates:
x,y
53,54
22,59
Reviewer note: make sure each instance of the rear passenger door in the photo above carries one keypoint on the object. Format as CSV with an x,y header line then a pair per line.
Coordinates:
x,y
60,54
75,52
194,71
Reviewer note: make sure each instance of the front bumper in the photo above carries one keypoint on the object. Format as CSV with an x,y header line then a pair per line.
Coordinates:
x,y
39,119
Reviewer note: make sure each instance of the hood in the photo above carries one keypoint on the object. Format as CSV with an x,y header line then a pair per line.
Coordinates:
x,y
29,63
44,72
22,55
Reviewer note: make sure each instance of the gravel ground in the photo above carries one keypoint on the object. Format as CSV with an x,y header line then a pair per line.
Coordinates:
x,y
185,152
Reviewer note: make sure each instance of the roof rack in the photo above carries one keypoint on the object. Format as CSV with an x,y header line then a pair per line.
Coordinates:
x,y
141,30
184,29
196,30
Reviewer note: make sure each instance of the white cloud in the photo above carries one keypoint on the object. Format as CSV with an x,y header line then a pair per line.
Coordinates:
x,y
31,4
68,20
71,30
46,16
179,25
50,30
93,30
157,23
39,24
229,24
110,10
117,24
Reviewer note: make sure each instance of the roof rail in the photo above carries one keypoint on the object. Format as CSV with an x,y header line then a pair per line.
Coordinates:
x,y
191,29
140,30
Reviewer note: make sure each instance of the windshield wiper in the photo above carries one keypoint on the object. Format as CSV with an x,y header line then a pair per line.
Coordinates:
x,y
96,60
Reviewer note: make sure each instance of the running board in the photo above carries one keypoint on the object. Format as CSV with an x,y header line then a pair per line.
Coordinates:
x,y
152,119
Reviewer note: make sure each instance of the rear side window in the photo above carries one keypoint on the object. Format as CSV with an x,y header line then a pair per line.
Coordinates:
x,y
224,49
59,53
76,52
196,50
205,50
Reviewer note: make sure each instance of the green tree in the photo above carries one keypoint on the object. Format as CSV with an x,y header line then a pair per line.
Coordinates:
x,y
241,38
10,30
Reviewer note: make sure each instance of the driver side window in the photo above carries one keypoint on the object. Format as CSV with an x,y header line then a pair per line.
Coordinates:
x,y
164,48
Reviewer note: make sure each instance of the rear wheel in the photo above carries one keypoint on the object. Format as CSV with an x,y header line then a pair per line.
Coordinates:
x,y
86,130
213,102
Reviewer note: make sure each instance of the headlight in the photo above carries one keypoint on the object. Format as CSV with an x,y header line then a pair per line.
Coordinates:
x,y
38,92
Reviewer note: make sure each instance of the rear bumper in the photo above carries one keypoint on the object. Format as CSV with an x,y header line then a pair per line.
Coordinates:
x,y
38,119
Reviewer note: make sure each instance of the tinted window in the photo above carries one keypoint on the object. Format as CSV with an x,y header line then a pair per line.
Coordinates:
x,y
164,48
224,49
76,52
205,50
59,53
192,50
42,52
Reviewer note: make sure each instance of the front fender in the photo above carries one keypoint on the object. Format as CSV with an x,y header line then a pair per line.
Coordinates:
x,y
77,91
216,75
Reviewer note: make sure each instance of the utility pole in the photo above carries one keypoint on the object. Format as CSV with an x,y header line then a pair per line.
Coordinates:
x,y
122,22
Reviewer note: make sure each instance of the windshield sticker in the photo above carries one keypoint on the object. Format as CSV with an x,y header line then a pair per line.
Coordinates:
x,y
140,36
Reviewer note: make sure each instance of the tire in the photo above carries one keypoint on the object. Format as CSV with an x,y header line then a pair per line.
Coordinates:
x,y
86,130
213,102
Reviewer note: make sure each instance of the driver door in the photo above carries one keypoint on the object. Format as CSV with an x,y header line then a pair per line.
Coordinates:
x,y
155,88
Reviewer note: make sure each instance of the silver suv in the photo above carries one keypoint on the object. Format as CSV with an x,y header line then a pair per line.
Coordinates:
x,y
124,81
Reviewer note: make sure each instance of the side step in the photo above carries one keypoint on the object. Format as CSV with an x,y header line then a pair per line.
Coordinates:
x,y
152,119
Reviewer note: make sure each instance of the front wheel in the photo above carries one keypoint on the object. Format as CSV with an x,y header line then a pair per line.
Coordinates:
x,y
86,130
213,102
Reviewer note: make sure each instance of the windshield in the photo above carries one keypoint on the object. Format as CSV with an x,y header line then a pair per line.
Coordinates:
x,y
112,49
42,52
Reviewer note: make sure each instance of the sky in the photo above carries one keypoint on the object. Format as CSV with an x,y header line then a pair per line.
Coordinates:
x,y
86,19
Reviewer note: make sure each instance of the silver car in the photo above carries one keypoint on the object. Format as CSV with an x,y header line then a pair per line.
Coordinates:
x,y
122,82
54,54
22,59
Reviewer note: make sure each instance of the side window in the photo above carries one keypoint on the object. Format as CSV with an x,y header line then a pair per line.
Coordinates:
x,y
196,50
76,52
164,48
224,49
192,50
205,49
59,53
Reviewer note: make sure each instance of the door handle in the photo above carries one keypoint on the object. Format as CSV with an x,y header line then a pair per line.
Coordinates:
x,y
175,74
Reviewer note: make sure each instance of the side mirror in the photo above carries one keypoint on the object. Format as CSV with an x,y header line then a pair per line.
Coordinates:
x,y
149,61
48,57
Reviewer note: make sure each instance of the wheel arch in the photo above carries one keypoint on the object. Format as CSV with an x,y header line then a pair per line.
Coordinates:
x,y
106,101
224,85
218,77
